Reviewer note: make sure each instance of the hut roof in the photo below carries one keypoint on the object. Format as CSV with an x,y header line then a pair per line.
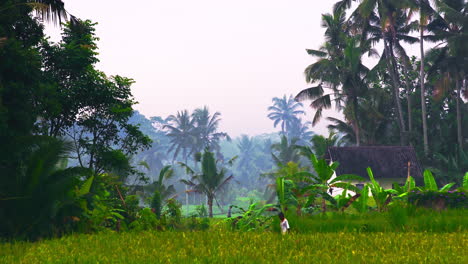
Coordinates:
x,y
385,161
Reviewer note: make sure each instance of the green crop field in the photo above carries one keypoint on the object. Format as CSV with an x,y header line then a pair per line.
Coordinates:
x,y
242,247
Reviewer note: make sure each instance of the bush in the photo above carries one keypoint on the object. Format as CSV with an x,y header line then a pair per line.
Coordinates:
x,y
146,220
439,200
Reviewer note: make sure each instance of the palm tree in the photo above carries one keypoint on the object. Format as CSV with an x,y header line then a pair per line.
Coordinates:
x,y
340,69
425,14
206,130
160,191
181,134
287,151
246,166
301,132
320,144
211,179
35,200
383,15
48,10
450,27
285,111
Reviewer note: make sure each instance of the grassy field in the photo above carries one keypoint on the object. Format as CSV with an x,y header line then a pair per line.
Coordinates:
x,y
242,247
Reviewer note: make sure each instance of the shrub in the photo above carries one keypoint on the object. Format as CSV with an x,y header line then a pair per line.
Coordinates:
x,y
146,220
438,200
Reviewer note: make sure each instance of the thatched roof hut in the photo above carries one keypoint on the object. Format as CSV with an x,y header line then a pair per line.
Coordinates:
x,y
386,162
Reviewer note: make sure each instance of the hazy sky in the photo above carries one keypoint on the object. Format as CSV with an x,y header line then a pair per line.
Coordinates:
x,y
232,56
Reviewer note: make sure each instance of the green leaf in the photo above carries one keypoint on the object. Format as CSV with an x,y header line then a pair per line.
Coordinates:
x,y
347,177
86,186
429,181
465,181
447,187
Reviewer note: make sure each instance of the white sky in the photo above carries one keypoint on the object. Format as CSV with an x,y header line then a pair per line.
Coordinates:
x,y
232,56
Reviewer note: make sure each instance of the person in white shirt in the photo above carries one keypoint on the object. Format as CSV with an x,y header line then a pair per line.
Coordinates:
x,y
284,223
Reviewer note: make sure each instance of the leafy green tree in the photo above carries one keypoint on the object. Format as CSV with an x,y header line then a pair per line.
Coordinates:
x,y
20,82
67,70
210,180
102,137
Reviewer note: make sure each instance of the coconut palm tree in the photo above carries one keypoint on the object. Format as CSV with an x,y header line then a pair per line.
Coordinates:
x,y
425,14
450,26
206,130
210,180
339,68
301,132
383,15
181,134
320,144
286,151
285,111
246,164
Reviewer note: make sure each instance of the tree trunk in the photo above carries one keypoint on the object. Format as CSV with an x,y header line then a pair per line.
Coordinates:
x,y
396,92
408,97
210,206
459,122
357,129
423,97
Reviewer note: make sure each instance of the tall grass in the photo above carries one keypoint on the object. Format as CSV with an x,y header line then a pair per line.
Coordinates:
x,y
397,219
220,246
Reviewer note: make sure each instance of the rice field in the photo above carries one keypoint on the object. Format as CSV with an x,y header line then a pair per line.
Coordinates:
x,y
221,246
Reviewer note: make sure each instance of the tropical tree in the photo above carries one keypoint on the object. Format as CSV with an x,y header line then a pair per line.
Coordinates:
x,y
425,15
210,180
450,26
320,144
301,132
36,200
206,130
246,164
181,134
286,151
285,111
339,68
160,191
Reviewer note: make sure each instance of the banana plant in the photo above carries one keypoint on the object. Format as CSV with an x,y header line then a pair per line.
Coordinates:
x,y
431,185
403,191
344,200
361,204
382,197
321,181
465,182
283,191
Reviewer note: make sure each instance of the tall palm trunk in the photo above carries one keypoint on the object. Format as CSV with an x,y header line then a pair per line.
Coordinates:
x,y
210,205
357,129
423,97
408,97
396,91
459,123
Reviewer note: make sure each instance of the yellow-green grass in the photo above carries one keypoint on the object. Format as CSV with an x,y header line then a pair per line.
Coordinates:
x,y
218,246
